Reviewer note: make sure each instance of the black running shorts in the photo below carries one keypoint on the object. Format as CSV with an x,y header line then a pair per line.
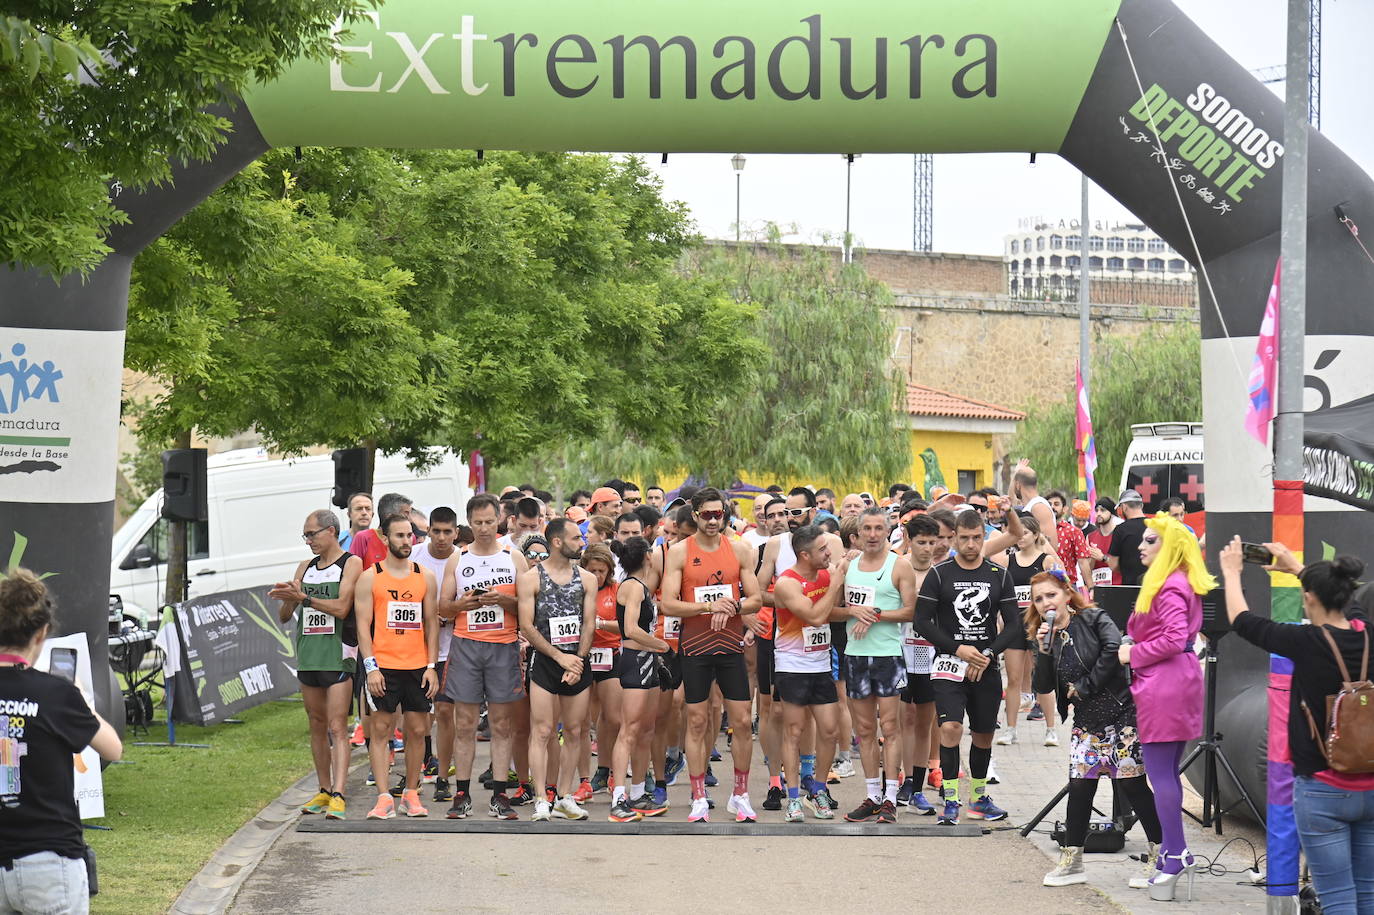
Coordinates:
x,y
637,669
979,700
545,673
804,689
728,671
405,690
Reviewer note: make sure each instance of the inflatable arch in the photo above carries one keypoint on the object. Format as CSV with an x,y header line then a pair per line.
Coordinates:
x,y
1129,91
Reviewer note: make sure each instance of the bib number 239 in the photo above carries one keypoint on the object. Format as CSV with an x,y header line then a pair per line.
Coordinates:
x,y
486,619
565,630
948,667
403,614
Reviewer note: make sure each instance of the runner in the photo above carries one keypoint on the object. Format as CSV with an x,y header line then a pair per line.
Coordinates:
x,y
398,636
770,713
434,555
630,496
957,610
637,668
925,544
484,659
557,617
326,651
1100,541
805,597
607,503
605,707
669,726
654,496
1025,492
359,517
1031,557
709,582
879,596
852,504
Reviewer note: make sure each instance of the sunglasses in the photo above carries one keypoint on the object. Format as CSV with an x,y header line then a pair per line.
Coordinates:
x,y
794,512
981,508
712,515
629,501
537,555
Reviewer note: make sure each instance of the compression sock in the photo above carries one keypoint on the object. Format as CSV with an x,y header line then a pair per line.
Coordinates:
x,y
462,785
698,786
793,792
604,771
660,783
979,758
874,787
499,788
429,747
741,781
673,754
949,764
890,791
808,765
918,779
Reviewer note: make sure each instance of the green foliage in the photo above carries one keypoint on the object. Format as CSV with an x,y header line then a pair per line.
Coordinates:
x,y
1153,376
77,133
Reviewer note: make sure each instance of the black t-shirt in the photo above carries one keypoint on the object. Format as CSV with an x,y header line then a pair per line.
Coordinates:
x,y
1126,548
958,606
1315,676
44,721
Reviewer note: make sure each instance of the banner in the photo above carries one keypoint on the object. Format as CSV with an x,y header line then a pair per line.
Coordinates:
x,y
1338,453
234,655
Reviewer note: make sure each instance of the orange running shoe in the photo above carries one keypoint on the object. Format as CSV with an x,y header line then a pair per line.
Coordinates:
x,y
411,805
584,791
385,808
934,778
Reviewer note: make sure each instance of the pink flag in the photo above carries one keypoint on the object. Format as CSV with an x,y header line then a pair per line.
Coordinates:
x,y
1263,384
1085,442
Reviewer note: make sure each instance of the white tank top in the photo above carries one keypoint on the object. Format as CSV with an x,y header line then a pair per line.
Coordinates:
x,y
787,557
436,566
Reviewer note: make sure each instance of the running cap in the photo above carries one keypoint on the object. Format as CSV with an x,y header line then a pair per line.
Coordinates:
x,y
1131,495
605,494
576,513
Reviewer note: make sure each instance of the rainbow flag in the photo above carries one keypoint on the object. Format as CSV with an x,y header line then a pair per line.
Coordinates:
x,y
1264,368
1285,595
1086,445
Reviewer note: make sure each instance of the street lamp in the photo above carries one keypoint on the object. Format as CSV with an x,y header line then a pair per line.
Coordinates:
x,y
737,160
848,180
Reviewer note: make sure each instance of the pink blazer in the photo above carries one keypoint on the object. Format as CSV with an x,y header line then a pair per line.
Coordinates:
x,y
1166,676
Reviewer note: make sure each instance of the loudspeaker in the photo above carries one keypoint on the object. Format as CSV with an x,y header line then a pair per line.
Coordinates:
x,y
185,496
350,474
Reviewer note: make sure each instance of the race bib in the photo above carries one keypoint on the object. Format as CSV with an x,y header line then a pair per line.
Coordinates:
x,y
815,638
919,653
601,658
317,622
1023,596
1102,576
709,594
860,596
487,619
403,614
565,630
948,667
671,626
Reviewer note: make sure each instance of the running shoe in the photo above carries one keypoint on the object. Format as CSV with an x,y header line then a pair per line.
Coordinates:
x,y
501,809
984,809
622,812
337,808
318,803
462,807
922,806
649,807
1051,738
701,811
887,812
660,795
1036,714
542,809
950,815
584,791
399,788
371,780
1027,700
522,796
822,805
599,780
844,768
486,778
794,813
833,778
398,744
411,805
1007,737
829,798
385,808
430,772
934,778
715,755
566,809
672,768
739,805
774,799
992,775
358,738
711,780
864,812
710,804
442,791
905,792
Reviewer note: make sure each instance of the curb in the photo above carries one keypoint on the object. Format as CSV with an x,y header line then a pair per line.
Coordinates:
x,y
212,890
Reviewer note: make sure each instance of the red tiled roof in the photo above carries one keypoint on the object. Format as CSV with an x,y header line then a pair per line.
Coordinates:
x,y
924,401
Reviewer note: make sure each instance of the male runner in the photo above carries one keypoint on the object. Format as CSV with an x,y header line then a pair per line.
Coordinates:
x,y
630,496
326,651
434,554
879,596
805,596
557,602
773,522
370,544
957,610
484,659
655,496
709,582
668,727
926,542
1025,491
398,636
359,517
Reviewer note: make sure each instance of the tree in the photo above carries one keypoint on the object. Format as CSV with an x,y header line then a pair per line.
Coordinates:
x,y
78,133
1153,376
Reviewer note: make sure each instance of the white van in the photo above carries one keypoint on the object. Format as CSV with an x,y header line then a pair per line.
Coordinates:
x,y
253,536
1163,460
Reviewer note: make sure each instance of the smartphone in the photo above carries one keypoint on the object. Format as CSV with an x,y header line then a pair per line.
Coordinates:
x,y
479,591
1256,553
62,663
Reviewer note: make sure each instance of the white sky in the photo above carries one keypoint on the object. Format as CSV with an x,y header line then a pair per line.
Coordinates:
x,y
978,198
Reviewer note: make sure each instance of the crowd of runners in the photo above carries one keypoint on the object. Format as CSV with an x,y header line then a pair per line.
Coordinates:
x,y
631,629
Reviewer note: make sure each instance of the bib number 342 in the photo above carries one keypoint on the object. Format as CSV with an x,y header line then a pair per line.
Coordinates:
x,y
565,630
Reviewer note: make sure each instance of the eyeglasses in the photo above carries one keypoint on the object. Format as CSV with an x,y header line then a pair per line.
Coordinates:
x,y
981,508
418,536
794,512
537,555
311,535
712,515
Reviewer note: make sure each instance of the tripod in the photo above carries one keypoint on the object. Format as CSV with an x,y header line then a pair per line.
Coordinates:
x,y
1122,814
1210,752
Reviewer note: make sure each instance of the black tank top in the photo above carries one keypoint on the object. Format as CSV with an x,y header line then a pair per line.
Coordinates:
x,y
1021,575
647,614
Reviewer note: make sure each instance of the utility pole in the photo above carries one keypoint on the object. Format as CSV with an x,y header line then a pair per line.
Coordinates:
x,y
1084,298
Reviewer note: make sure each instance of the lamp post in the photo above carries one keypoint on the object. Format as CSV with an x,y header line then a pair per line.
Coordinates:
x,y
848,183
737,160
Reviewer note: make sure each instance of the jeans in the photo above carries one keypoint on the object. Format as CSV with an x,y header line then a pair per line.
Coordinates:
x,y
1337,832
44,884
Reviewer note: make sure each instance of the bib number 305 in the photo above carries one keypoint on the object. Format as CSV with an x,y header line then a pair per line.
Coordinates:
x,y
403,614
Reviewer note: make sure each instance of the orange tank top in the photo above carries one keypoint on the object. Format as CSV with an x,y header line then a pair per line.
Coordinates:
x,y
493,572
398,619
708,576
605,610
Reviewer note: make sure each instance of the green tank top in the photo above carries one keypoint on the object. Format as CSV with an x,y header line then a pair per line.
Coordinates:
x,y
874,589
324,642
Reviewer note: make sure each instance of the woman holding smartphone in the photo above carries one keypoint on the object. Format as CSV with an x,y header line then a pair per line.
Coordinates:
x,y
42,852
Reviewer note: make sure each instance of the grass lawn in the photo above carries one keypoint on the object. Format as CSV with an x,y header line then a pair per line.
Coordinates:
x,y
174,807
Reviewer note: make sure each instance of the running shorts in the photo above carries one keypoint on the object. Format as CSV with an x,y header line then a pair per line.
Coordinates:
x,y
637,669
480,672
979,700
881,676
405,690
763,667
323,679
918,689
441,668
728,671
546,673
804,689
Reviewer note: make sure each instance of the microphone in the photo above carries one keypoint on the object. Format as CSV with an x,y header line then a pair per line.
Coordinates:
x,y
1127,640
1049,633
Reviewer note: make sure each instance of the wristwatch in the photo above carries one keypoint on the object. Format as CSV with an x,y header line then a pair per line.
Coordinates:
x,y
306,602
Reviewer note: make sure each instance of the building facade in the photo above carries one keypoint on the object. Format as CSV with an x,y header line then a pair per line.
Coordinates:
x,y
1043,260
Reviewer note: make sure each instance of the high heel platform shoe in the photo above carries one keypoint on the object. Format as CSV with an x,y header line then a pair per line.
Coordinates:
x,y
1163,886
